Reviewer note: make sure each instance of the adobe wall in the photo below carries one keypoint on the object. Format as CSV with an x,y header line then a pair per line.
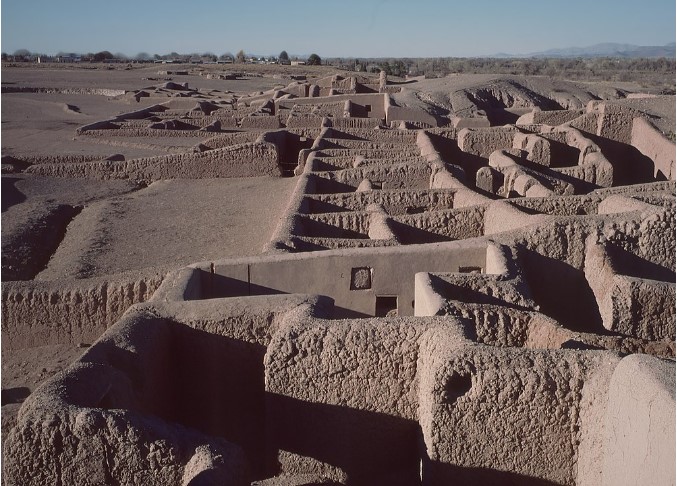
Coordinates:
x,y
334,274
360,123
614,121
233,138
355,224
655,146
36,313
502,216
392,136
483,142
244,160
151,132
375,101
639,307
398,113
451,224
501,415
595,169
394,202
267,385
109,92
262,122
639,425
303,120
548,117
138,382
342,398
393,176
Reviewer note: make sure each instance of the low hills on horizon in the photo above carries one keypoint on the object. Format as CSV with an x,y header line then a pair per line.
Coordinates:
x,y
607,49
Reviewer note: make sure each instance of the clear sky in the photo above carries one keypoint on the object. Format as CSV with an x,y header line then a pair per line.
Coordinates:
x,y
345,28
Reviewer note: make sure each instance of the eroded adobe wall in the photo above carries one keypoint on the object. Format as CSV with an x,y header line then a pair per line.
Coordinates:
x,y
376,102
356,418
339,275
639,424
36,313
244,160
491,415
654,145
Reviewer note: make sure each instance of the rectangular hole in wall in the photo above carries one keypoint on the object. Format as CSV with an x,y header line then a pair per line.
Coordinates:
x,y
469,269
386,305
368,108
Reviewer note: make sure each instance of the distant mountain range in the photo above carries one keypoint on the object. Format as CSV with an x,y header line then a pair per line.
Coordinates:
x,y
608,49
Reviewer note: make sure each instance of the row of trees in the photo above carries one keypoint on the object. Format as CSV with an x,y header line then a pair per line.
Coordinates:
x,y
240,57
611,69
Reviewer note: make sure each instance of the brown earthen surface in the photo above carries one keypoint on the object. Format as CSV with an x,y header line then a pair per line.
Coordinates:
x,y
299,276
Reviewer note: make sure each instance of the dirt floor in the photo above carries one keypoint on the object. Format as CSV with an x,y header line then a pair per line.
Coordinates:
x,y
171,223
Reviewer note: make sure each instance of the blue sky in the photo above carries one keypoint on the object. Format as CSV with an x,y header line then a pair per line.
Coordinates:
x,y
348,28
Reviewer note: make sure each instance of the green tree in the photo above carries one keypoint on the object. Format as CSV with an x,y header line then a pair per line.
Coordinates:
x,y
314,60
283,56
102,56
240,56
22,55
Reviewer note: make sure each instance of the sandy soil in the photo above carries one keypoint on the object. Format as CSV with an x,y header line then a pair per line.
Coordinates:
x,y
24,371
36,124
171,223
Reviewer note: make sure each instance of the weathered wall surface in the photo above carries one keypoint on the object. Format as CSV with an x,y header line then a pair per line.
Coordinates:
x,y
483,142
376,102
244,160
478,409
550,117
334,274
343,399
394,202
639,438
36,313
654,145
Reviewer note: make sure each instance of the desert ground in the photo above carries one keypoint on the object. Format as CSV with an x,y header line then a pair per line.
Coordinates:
x,y
298,275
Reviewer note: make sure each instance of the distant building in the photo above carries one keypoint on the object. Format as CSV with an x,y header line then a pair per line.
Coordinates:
x,y
298,63
69,58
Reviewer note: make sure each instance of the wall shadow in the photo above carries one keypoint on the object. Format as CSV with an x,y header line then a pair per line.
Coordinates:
x,y
410,235
218,389
449,474
632,265
468,295
371,448
630,165
562,292
10,195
